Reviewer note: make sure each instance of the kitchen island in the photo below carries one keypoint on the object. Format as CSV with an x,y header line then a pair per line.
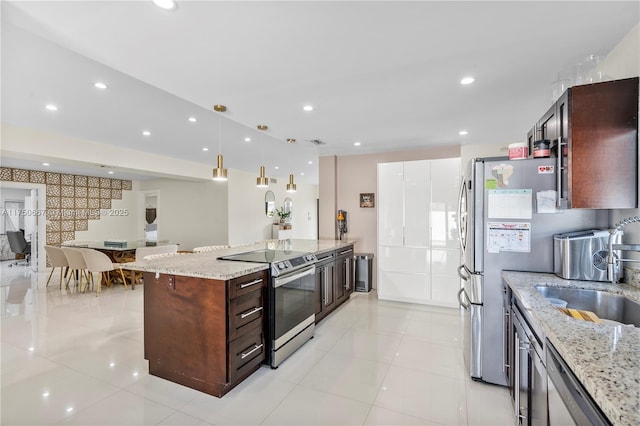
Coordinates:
x,y
205,319
207,265
605,358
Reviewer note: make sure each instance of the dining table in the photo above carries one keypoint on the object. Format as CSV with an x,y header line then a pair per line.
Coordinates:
x,y
119,251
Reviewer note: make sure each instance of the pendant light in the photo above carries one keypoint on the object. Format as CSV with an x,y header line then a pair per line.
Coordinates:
x,y
220,173
291,187
262,181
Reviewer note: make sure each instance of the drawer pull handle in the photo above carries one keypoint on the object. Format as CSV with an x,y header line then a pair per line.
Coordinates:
x,y
249,284
255,348
251,312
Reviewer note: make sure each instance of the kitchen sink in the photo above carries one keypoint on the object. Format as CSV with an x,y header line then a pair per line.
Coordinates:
x,y
604,304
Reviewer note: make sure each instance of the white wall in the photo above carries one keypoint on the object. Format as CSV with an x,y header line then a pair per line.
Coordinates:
x,y
467,152
190,213
117,223
247,220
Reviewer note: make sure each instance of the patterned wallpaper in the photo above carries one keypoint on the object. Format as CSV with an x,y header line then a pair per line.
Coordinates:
x,y
72,200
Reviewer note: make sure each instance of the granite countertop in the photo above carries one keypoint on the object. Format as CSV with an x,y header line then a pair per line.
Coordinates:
x,y
207,265
605,357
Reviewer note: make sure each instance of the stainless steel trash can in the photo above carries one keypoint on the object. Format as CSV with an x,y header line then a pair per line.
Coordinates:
x,y
364,271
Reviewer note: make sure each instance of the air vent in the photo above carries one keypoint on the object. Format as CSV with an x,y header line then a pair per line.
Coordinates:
x,y
600,259
273,180
316,142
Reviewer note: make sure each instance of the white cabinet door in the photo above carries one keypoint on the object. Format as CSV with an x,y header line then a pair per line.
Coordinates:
x,y
390,204
417,201
417,236
445,184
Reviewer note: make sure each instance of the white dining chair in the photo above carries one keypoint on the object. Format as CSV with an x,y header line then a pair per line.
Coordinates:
x,y
77,265
57,259
99,263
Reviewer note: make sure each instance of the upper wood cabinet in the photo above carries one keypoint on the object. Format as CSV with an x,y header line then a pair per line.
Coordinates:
x,y
594,129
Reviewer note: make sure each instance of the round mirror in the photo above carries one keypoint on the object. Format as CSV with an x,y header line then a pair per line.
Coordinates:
x,y
288,207
269,204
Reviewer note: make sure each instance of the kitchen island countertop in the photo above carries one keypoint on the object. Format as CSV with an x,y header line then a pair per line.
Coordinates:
x,y
207,265
604,357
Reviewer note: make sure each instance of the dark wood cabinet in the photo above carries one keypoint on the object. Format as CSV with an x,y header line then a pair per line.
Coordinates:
x,y
202,333
344,274
334,280
594,129
325,278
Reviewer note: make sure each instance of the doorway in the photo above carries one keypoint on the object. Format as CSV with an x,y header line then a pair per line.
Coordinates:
x,y
22,209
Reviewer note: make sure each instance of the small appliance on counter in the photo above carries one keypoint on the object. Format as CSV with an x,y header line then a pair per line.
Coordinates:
x,y
582,255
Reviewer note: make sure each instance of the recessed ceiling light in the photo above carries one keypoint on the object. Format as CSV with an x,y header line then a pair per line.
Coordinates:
x,y
463,132
69,409
45,164
310,162
308,108
247,139
45,394
99,85
165,4
146,133
205,149
301,173
110,172
51,107
193,119
467,80
277,168
356,144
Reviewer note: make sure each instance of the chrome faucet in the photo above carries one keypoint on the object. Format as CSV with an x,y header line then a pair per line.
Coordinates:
x,y
612,259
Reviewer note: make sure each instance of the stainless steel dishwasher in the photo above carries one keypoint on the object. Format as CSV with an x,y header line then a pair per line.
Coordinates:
x,y
569,403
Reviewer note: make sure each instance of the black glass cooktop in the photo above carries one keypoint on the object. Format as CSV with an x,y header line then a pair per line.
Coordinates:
x,y
266,256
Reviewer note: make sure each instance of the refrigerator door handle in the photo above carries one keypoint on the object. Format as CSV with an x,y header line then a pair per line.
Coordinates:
x,y
465,306
464,276
462,216
474,292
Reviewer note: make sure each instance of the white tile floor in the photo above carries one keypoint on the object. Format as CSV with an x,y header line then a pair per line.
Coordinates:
x,y
73,358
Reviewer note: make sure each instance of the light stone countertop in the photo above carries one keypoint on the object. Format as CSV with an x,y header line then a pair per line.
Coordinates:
x,y
604,357
207,265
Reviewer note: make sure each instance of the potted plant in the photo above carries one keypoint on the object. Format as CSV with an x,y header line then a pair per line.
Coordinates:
x,y
283,215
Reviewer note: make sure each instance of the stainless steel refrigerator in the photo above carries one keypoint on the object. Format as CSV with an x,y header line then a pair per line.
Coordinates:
x,y
506,222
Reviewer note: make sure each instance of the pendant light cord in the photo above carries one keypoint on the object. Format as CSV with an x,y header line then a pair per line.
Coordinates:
x,y
219,134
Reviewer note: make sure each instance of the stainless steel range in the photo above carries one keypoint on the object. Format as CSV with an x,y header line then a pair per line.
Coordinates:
x,y
290,300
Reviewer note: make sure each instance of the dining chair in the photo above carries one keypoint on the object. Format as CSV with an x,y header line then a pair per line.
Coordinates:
x,y
205,249
98,262
19,245
57,259
76,262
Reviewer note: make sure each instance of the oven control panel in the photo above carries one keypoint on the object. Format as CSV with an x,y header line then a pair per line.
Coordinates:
x,y
277,268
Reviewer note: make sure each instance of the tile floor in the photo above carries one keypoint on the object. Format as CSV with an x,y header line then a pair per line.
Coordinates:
x,y
73,358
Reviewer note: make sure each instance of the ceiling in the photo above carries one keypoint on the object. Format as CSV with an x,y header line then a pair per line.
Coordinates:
x,y
383,73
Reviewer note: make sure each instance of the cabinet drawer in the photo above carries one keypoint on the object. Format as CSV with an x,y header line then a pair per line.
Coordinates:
x,y
245,313
247,283
246,353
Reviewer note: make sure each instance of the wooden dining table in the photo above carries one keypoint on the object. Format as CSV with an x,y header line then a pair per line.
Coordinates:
x,y
119,251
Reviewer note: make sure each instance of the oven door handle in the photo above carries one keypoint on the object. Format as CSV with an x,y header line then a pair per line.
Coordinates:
x,y
288,278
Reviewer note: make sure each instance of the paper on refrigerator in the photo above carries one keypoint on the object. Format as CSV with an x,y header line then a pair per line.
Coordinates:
x,y
508,236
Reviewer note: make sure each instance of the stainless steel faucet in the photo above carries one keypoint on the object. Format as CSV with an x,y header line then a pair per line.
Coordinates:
x,y
612,258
